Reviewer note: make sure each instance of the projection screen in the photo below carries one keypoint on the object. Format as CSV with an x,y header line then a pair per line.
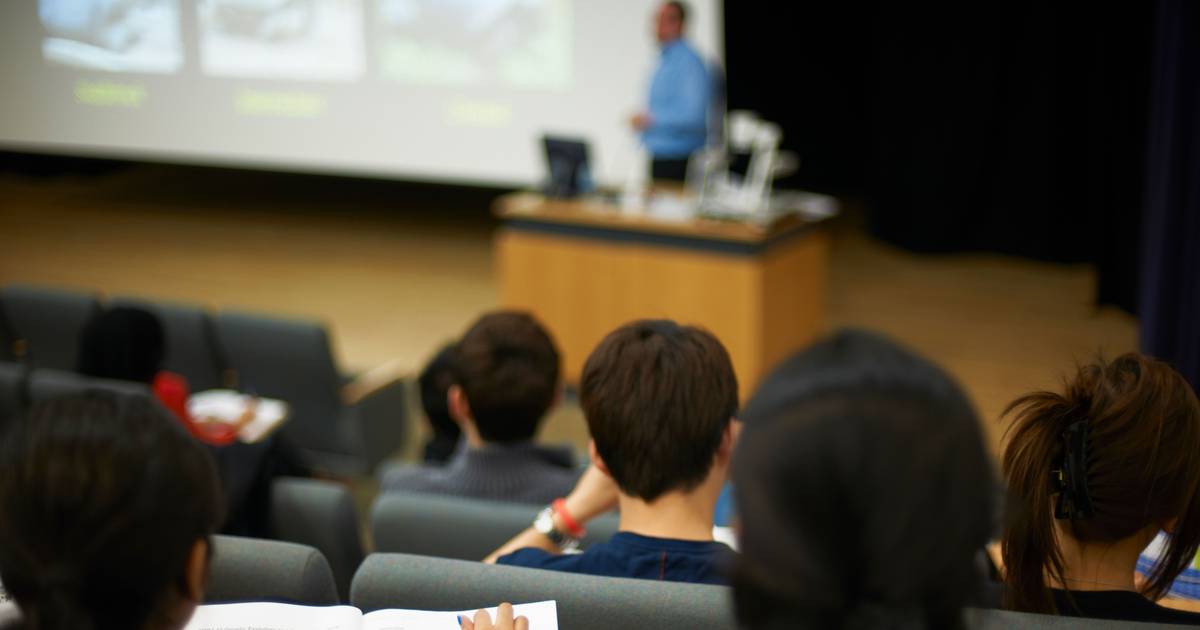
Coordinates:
x,y
446,90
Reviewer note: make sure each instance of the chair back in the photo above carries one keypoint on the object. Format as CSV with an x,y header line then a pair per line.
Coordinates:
x,y
49,384
48,323
585,602
292,361
251,569
321,514
456,527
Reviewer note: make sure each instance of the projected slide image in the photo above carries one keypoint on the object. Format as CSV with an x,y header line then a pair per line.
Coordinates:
x,y
519,43
282,39
113,35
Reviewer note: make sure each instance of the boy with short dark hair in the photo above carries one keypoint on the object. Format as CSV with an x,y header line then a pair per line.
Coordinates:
x,y
660,400
505,372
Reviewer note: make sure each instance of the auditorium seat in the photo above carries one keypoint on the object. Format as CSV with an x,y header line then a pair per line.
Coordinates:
x,y
48,384
585,602
321,514
455,527
292,360
191,341
12,394
48,322
250,569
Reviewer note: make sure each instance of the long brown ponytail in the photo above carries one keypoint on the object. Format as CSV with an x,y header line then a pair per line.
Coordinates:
x,y
1116,452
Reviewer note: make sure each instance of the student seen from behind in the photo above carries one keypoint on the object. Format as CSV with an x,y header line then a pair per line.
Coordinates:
x,y
506,378
109,506
659,399
864,493
1095,471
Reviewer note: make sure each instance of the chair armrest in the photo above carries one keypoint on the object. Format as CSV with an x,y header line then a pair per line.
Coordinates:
x,y
374,380
382,416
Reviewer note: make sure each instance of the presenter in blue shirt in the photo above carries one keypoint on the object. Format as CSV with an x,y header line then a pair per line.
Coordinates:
x,y
674,124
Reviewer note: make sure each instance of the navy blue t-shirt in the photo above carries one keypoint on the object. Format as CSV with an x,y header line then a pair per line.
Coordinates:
x,y
635,556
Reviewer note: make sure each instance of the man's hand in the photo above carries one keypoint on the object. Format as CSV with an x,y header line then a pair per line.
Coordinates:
x,y
504,620
640,121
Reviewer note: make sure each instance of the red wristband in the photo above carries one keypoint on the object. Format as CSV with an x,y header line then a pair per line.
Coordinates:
x,y
573,527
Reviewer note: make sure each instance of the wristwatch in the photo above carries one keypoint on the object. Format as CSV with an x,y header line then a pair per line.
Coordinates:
x,y
544,525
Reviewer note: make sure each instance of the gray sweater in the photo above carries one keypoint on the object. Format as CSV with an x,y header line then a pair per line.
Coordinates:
x,y
521,473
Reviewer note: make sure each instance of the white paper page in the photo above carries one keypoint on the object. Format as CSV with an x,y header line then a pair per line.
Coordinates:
x,y
272,616
228,405
541,615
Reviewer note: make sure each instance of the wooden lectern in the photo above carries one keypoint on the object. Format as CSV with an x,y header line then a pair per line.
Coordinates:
x,y
584,268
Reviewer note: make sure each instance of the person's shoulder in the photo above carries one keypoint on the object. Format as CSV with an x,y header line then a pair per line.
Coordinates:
x,y
169,383
1120,605
534,558
410,477
690,52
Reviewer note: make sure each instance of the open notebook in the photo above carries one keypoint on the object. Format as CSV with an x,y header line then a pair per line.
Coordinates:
x,y
228,406
270,616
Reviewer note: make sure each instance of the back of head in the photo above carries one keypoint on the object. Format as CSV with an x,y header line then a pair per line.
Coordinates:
x,y
658,397
122,343
1110,457
103,499
864,490
508,368
434,381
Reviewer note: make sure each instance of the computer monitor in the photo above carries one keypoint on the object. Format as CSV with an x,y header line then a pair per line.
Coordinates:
x,y
568,167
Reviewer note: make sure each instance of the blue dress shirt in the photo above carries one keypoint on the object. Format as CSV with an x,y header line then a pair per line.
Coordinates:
x,y
680,92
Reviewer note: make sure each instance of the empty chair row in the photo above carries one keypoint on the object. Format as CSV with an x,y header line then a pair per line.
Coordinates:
x,y
269,356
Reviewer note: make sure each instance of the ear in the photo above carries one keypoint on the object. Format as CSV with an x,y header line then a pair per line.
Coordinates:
x,y
456,403
196,571
729,439
596,459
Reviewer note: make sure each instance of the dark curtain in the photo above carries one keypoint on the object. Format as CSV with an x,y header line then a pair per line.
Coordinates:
x,y
1170,289
1014,127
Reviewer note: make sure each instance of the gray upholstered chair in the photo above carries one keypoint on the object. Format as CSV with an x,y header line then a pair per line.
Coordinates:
x,y
321,514
12,390
191,341
250,569
47,323
454,527
585,602
292,360
47,384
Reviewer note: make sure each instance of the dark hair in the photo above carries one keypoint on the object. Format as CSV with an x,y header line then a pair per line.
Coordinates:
x,y
434,381
123,343
507,366
1133,424
657,397
103,498
864,490
681,10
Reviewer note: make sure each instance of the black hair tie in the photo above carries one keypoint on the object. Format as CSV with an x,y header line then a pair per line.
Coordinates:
x,y
1070,480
